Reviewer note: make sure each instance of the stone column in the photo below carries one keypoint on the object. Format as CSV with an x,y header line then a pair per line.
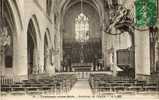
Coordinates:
x,y
20,67
114,59
108,58
142,54
106,49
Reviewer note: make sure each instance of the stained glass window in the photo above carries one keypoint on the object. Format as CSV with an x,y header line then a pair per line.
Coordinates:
x,y
81,28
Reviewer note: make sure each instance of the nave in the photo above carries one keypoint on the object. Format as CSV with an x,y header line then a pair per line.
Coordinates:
x,y
79,47
68,85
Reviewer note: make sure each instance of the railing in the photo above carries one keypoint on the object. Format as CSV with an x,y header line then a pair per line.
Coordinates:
x,y
11,79
85,75
6,80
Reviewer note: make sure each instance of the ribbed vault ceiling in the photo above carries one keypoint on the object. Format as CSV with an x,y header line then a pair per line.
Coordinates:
x,y
63,5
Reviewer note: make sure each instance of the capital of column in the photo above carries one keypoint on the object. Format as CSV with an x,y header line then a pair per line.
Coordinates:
x,y
144,28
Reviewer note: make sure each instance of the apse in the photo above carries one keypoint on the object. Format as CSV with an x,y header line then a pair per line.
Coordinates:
x,y
77,31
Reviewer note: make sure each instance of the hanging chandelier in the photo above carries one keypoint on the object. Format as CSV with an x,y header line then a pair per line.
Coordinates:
x,y
81,6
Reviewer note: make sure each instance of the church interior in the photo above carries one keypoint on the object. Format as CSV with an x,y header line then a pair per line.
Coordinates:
x,y
79,47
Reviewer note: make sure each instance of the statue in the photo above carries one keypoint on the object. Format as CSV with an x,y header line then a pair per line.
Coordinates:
x,y
120,22
5,39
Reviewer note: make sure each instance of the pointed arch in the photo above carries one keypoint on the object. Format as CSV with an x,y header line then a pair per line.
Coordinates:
x,y
36,25
16,10
33,46
13,24
47,48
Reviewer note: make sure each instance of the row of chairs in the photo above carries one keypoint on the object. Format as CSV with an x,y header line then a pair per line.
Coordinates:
x,y
103,83
55,84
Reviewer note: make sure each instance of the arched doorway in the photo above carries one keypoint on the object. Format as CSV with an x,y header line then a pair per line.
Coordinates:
x,y
33,67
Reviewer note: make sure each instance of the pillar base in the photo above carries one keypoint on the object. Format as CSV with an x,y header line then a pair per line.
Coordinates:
x,y
142,77
19,78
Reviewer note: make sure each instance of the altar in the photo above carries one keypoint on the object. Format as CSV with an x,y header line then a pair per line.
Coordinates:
x,y
82,67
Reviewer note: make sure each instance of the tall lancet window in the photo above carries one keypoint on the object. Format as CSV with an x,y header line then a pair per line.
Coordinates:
x,y
81,28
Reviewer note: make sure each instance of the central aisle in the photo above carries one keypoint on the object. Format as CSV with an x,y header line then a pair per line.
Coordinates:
x,y
81,88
